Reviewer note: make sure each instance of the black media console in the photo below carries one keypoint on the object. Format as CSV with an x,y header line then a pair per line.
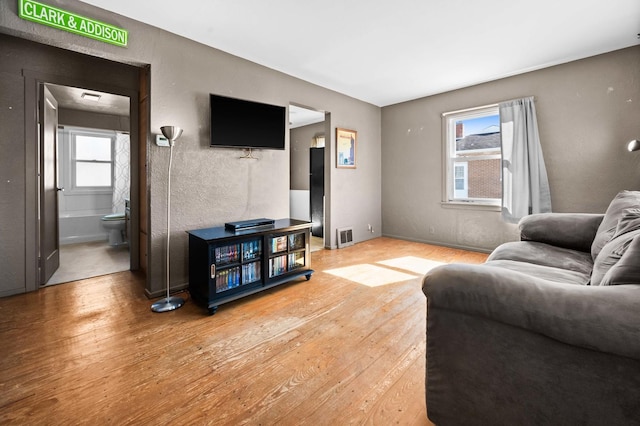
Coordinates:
x,y
241,258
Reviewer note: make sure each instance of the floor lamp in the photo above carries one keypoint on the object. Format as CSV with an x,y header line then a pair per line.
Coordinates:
x,y
172,133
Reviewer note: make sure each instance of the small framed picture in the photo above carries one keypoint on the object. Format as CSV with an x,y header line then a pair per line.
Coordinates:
x,y
346,148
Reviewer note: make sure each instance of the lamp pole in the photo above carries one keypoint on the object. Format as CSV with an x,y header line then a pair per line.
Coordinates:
x,y
172,133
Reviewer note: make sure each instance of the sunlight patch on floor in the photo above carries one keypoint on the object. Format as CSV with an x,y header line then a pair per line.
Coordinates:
x,y
370,275
415,264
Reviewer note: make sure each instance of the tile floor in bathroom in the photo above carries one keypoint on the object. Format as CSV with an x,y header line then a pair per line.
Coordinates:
x,y
85,260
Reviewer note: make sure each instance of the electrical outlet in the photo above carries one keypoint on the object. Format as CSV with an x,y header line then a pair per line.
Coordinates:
x,y
432,230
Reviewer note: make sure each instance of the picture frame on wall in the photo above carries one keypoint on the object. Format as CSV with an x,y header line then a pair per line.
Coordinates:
x,y
346,141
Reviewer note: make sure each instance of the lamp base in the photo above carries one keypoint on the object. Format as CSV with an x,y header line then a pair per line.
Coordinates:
x,y
167,304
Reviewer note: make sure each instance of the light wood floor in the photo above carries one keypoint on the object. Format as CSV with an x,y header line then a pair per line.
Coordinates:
x,y
346,347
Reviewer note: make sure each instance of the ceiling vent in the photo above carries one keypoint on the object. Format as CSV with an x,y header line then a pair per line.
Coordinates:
x,y
345,237
93,97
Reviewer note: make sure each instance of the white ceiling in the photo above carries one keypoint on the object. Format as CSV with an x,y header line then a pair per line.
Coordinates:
x,y
385,52
71,98
299,116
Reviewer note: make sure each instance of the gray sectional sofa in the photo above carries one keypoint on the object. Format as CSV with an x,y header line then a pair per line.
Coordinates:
x,y
547,331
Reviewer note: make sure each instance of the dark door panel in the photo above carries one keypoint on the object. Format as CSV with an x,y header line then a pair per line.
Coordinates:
x,y
316,186
49,245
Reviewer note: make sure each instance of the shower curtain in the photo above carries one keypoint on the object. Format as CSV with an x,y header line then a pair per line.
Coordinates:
x,y
122,175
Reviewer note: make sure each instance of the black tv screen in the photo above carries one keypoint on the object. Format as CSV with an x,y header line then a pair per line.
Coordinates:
x,y
237,123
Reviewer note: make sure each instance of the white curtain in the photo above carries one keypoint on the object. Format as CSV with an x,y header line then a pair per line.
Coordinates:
x,y
121,172
525,187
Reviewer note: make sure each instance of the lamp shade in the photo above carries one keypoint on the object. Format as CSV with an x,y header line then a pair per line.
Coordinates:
x,y
171,132
633,145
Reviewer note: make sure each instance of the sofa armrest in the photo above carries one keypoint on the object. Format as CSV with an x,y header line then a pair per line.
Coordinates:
x,y
574,231
603,318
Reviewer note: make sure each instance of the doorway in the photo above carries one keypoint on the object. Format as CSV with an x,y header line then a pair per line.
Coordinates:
x,y
32,65
92,172
307,178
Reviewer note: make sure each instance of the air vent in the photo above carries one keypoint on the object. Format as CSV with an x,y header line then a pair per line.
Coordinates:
x,y
345,237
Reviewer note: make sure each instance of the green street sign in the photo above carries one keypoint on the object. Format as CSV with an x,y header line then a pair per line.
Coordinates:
x,y
67,21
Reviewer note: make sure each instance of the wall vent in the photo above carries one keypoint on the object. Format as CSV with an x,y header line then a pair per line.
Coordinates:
x,y
345,237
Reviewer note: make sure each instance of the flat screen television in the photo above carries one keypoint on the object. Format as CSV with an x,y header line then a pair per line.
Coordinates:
x,y
237,123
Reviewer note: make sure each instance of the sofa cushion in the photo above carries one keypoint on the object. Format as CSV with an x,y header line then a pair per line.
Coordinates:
x,y
630,221
545,255
627,269
574,231
624,200
626,231
549,273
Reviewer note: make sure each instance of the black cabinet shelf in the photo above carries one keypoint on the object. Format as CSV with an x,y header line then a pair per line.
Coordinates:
x,y
226,265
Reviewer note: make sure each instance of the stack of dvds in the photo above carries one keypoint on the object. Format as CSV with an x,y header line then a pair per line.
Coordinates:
x,y
296,241
227,279
227,254
277,266
279,244
251,272
251,250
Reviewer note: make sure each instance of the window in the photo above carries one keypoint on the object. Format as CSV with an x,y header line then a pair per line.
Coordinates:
x,y
473,156
92,161
460,180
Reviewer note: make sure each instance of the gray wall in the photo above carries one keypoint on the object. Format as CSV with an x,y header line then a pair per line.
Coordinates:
x,y
209,186
12,185
587,111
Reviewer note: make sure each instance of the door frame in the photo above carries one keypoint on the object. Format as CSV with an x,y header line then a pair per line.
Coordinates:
x,y
32,80
328,152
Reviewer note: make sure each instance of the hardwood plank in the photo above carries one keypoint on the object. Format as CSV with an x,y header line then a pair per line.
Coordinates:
x,y
321,352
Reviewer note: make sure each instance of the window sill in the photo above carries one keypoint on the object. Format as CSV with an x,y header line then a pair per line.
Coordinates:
x,y
470,206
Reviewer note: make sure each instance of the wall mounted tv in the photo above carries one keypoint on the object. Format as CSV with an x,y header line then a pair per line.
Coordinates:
x,y
237,123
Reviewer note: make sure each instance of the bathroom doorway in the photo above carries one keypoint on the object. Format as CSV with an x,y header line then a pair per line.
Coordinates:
x,y
93,182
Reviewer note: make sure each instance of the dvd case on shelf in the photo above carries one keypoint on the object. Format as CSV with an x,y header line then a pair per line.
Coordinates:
x,y
251,273
227,254
251,250
227,279
296,241
279,244
277,266
296,260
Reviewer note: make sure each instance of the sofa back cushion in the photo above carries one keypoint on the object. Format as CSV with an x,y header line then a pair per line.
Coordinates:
x,y
627,269
624,200
625,235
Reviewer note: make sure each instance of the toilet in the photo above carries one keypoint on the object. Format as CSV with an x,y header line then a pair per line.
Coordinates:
x,y
115,223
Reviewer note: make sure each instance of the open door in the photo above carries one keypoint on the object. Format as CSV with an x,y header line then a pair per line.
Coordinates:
x,y
48,218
